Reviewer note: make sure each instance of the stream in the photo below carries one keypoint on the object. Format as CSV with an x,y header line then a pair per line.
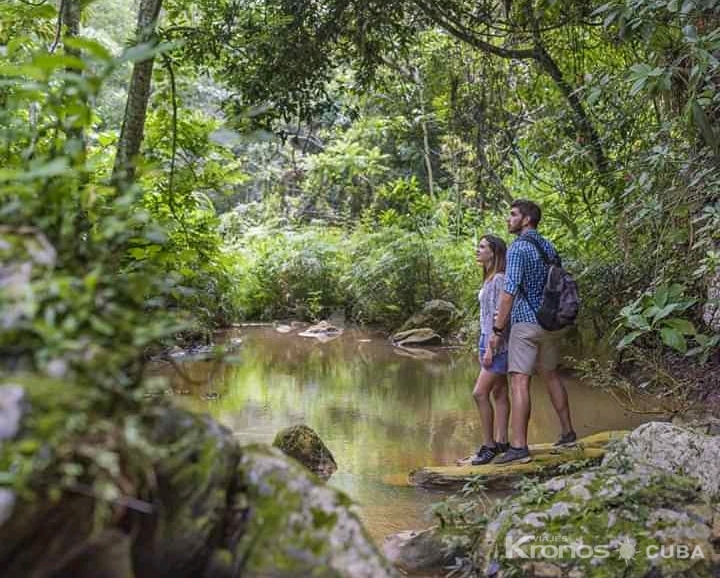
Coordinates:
x,y
381,411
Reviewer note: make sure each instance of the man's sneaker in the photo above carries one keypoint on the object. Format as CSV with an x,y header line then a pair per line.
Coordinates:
x,y
484,455
568,439
502,447
514,456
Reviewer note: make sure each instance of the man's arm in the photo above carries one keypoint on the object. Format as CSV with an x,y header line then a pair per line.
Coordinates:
x,y
503,313
513,281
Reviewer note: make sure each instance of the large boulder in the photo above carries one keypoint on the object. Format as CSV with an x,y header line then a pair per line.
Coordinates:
x,y
300,528
670,449
91,487
602,523
302,443
702,420
632,516
440,315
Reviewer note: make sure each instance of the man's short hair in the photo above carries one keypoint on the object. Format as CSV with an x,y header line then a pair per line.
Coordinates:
x,y
528,209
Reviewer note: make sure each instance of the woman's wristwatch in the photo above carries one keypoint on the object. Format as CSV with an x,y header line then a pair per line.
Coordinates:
x,y
498,330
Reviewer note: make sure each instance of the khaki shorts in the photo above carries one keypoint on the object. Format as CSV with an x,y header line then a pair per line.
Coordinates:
x,y
531,347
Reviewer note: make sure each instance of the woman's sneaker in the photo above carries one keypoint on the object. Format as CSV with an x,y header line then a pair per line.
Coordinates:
x,y
514,456
484,455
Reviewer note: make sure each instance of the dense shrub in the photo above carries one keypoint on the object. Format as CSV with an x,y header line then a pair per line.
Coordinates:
x,y
377,278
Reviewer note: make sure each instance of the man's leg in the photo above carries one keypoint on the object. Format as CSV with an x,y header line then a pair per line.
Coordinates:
x,y
549,358
520,408
559,398
522,354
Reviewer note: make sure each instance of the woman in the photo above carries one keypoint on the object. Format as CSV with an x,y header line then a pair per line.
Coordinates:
x,y
490,254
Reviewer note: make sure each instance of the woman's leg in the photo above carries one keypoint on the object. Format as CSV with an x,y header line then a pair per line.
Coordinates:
x,y
502,407
483,386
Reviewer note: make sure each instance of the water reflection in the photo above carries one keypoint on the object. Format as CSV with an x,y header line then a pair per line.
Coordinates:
x,y
379,412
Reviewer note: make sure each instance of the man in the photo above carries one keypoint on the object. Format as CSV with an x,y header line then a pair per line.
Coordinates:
x,y
530,347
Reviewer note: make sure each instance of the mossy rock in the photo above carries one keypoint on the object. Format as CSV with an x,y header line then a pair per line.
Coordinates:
x,y
298,527
95,484
603,523
649,509
302,443
416,337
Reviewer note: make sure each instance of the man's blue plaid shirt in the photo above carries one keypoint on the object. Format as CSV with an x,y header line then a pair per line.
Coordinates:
x,y
525,276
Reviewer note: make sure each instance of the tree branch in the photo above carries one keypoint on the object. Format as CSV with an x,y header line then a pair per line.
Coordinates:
x,y
461,32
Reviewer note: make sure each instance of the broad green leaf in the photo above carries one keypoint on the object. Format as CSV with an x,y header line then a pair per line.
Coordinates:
x,y
629,338
146,51
49,169
51,62
94,48
665,311
651,311
673,339
106,139
682,325
25,70
608,20
638,322
594,96
137,253
702,339
637,86
661,295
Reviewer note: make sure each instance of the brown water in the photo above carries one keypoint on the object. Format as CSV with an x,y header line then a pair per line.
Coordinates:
x,y
379,411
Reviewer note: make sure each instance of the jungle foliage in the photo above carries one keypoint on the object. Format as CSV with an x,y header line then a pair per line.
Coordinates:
x,y
303,158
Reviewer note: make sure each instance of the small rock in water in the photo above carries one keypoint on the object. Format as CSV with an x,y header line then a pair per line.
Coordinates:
x,y
304,444
322,330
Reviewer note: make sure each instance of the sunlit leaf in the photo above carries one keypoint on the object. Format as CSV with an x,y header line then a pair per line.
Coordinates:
x,y
91,46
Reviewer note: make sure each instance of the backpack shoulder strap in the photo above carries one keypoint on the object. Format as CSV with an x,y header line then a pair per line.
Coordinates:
x,y
539,247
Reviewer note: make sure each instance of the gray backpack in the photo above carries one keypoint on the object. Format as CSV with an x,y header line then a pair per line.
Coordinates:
x,y
560,301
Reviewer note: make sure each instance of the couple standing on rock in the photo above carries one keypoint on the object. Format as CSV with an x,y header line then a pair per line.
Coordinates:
x,y
512,341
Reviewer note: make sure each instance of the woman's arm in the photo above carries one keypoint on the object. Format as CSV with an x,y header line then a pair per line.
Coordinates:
x,y
497,290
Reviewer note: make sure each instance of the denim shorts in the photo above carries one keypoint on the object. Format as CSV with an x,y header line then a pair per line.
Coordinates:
x,y
500,360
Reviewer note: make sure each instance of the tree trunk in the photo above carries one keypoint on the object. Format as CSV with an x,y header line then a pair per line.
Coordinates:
x,y
133,126
69,27
427,152
70,13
